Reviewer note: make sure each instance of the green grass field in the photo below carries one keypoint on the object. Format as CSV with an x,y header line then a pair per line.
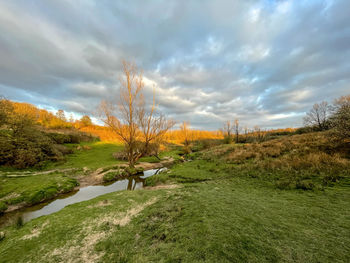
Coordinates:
x,y
213,216
98,154
33,189
223,206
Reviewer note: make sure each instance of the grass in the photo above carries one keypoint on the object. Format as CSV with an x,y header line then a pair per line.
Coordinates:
x,y
305,161
173,152
226,208
95,155
33,189
222,218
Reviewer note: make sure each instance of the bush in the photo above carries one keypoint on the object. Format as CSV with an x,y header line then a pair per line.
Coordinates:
x,y
186,149
304,185
3,207
285,184
120,155
61,149
227,140
60,138
30,147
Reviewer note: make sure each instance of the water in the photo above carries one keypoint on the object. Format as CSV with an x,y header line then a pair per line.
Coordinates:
x,y
83,194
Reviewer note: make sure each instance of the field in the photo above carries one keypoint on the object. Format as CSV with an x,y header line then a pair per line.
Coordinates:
x,y
32,186
91,155
219,207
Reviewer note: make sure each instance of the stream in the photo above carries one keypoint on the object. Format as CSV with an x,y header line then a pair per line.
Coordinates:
x,y
83,194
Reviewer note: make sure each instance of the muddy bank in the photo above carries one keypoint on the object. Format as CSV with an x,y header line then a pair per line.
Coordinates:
x,y
96,177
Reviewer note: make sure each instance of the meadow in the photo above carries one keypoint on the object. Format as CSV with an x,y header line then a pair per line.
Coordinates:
x,y
226,203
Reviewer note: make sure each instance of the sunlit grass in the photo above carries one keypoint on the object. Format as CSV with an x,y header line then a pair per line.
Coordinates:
x,y
32,189
214,216
91,155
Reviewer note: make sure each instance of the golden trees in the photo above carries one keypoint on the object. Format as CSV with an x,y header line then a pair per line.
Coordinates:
x,y
85,121
6,109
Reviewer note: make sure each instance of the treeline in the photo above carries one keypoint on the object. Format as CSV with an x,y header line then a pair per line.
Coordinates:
x,y
233,132
23,141
334,117
49,120
172,136
323,116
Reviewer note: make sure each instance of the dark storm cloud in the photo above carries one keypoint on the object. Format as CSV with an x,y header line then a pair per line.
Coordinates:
x,y
265,62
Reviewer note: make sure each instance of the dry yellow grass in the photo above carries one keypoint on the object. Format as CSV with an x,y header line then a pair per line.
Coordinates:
x,y
312,156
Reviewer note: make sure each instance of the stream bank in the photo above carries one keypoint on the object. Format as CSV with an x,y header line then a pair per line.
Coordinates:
x,y
78,195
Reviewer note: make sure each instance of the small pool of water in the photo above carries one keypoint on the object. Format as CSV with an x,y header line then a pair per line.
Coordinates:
x,y
83,194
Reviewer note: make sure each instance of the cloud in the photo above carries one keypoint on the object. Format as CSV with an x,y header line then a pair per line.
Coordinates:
x,y
262,61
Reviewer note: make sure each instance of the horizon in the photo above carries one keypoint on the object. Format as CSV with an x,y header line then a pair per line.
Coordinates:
x,y
262,62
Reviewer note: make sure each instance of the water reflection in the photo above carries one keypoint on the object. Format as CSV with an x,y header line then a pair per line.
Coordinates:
x,y
83,194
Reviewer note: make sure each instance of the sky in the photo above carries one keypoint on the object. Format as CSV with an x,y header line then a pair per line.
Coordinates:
x,y
263,62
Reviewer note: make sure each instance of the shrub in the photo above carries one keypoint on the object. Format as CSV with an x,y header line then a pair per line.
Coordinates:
x,y
60,138
62,149
3,207
304,184
120,156
285,184
186,149
294,162
227,140
29,147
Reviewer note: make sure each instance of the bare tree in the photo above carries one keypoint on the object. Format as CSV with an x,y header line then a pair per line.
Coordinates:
x,y
186,134
236,129
126,108
318,116
153,126
227,130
